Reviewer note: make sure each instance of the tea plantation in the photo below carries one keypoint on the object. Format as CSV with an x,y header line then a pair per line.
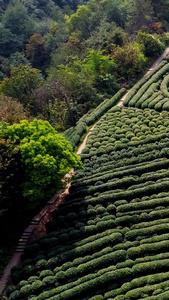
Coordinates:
x,y
110,238
151,91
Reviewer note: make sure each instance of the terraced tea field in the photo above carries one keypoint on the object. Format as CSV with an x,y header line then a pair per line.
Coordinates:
x,y
109,239
151,91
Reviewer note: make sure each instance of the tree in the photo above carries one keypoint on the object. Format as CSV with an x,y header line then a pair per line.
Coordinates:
x,y
17,21
80,21
45,156
11,180
35,51
21,84
17,59
96,64
75,88
50,93
12,110
130,60
115,11
51,107
9,42
100,70
140,13
105,35
150,43
161,9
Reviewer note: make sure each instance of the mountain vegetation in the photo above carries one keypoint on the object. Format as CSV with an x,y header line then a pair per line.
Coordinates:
x,y
60,59
63,66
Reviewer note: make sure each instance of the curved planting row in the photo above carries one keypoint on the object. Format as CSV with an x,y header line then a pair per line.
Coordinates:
x,y
109,240
75,134
151,91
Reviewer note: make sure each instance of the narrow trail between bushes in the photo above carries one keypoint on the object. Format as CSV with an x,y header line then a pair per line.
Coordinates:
x,y
83,145
37,225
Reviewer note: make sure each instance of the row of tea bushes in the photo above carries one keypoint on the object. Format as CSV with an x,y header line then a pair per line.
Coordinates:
x,y
141,82
152,92
74,134
109,239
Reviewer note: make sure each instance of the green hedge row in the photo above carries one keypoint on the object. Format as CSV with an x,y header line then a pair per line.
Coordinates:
x,y
91,266
147,290
139,89
130,182
164,86
150,91
147,249
148,231
137,283
74,135
143,205
138,169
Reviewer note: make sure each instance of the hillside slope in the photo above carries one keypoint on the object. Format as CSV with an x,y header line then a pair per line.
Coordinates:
x,y
109,240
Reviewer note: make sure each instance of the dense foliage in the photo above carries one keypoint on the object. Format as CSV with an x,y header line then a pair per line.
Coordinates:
x,y
84,50
60,60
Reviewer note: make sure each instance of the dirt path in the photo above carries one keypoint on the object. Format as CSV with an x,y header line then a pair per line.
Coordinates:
x,y
122,99
83,145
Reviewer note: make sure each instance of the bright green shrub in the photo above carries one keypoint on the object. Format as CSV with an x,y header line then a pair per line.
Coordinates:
x,y
44,157
15,295
31,279
37,286
97,297
49,281
41,264
23,283
45,273
166,106
26,290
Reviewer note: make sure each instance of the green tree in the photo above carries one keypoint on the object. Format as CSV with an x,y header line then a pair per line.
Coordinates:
x,y
96,64
100,70
21,84
75,88
45,155
9,42
11,180
161,9
80,21
17,59
139,12
150,43
35,51
12,110
105,35
130,60
17,20
115,11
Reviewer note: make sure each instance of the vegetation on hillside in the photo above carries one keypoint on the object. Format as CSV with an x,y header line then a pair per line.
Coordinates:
x,y
109,239
33,160
63,65
60,59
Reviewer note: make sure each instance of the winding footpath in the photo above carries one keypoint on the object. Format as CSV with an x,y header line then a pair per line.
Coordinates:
x,y
37,225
